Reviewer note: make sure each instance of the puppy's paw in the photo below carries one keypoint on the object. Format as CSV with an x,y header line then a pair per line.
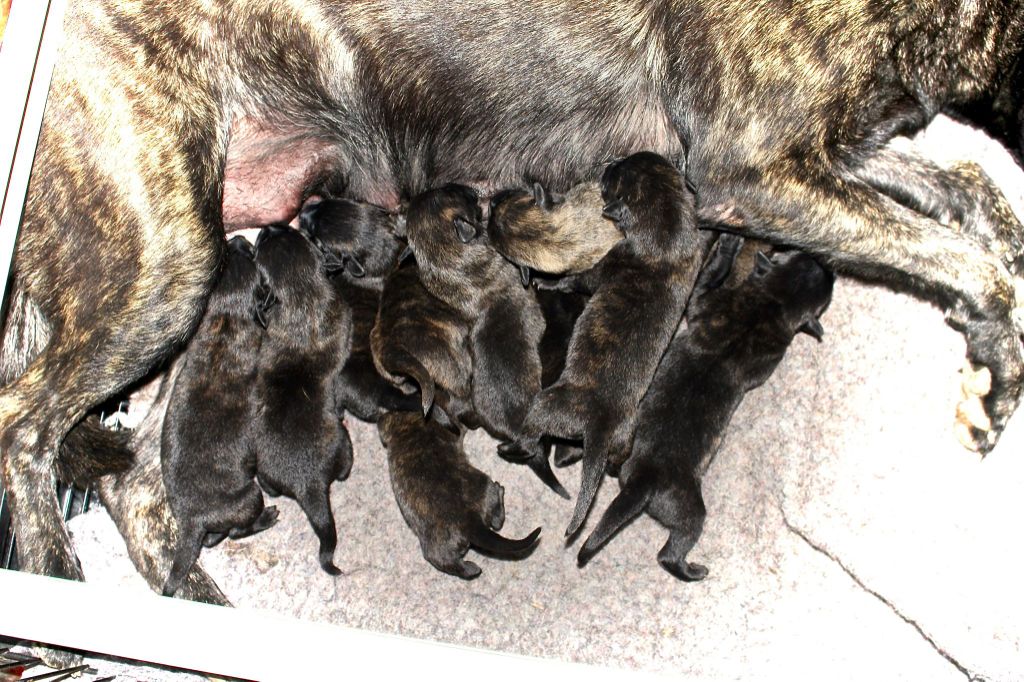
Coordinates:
x,y
684,570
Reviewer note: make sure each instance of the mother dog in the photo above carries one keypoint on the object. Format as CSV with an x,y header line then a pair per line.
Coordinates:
x,y
167,127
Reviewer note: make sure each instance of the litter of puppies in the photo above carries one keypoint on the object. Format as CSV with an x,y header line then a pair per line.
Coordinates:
x,y
639,359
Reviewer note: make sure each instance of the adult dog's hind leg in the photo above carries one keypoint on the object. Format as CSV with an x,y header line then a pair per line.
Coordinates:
x,y
863,232
962,197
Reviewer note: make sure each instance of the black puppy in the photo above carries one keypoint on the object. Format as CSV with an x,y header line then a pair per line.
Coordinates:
x,y
450,505
360,249
640,291
506,323
207,452
735,338
302,444
561,310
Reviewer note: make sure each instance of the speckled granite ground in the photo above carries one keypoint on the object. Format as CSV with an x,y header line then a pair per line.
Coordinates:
x,y
849,536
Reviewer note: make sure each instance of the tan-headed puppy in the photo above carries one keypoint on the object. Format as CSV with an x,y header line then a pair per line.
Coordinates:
x,y
207,453
301,443
735,337
450,505
552,234
506,322
640,292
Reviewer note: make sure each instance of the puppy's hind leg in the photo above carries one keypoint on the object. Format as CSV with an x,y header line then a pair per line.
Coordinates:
x,y
316,503
682,510
611,440
627,505
343,454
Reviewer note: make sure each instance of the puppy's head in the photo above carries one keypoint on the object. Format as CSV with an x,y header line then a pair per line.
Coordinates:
x,y
237,287
551,233
356,238
801,285
441,222
291,268
648,198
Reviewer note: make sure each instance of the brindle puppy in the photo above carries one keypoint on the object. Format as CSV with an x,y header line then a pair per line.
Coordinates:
x,y
419,337
208,459
735,338
505,319
556,235
641,288
450,505
301,443
360,249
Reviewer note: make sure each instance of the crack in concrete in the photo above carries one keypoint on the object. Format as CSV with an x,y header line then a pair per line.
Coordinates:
x,y
892,607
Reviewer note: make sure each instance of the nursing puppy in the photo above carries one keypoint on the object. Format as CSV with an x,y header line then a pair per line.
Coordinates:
x,y
505,319
360,249
552,234
418,337
301,443
735,337
450,505
640,291
207,453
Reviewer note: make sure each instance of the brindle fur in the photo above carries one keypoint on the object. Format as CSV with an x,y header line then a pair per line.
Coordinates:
x,y
641,288
418,337
779,103
207,454
505,320
302,446
556,235
735,337
450,505
360,249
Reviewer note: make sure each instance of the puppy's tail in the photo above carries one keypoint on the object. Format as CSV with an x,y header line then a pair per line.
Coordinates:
x,y
488,542
595,460
90,450
190,543
628,505
401,363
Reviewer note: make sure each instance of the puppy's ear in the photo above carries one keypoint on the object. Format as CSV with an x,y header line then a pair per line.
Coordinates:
x,y
762,264
812,327
616,210
721,260
333,263
354,267
466,229
541,197
265,300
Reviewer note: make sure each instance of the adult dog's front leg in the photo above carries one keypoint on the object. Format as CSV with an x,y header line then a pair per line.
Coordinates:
x,y
865,233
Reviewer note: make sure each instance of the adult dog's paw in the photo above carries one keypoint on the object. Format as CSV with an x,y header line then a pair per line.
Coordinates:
x,y
972,423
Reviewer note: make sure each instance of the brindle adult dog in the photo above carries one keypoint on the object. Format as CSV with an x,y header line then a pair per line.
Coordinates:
x,y
165,127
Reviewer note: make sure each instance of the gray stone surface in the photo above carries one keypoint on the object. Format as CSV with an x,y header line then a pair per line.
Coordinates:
x,y
849,536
